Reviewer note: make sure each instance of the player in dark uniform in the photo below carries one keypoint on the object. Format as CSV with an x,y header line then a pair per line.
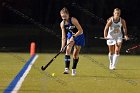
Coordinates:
x,y
72,33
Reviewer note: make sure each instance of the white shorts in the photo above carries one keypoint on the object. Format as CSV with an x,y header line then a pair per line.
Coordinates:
x,y
114,41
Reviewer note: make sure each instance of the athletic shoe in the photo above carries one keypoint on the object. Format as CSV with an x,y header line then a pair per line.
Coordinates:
x,y
66,71
73,72
112,68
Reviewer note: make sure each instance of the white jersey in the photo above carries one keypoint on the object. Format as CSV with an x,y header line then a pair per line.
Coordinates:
x,y
115,29
115,33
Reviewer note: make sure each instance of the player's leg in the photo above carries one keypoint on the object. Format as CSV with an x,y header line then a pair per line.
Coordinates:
x,y
110,55
75,58
79,42
117,53
67,57
111,47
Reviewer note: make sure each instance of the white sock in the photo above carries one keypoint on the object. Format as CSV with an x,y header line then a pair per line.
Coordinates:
x,y
110,60
115,60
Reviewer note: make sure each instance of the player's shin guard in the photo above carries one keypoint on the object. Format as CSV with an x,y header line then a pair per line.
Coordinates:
x,y
75,61
67,61
115,60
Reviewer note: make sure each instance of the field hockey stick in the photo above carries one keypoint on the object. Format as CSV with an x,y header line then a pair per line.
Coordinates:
x,y
99,38
111,38
44,67
132,49
105,38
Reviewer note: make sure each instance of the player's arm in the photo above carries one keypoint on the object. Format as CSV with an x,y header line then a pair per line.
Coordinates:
x,y
78,26
63,42
108,24
124,29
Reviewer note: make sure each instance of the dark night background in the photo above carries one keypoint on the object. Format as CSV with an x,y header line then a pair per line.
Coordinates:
x,y
16,32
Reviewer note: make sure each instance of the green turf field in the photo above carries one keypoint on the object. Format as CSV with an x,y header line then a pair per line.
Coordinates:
x,y
92,76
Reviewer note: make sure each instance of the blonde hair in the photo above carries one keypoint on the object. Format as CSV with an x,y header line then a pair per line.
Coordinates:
x,y
117,9
64,10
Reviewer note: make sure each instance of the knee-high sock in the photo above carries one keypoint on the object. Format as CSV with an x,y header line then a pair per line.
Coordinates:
x,y
67,61
115,59
75,61
110,56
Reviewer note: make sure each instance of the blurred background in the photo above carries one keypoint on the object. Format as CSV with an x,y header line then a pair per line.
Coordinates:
x,y
26,21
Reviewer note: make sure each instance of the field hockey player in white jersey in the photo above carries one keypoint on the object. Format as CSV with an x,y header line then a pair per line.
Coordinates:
x,y
114,36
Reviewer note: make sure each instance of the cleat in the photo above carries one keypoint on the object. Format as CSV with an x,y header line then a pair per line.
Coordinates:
x,y
73,72
66,71
112,68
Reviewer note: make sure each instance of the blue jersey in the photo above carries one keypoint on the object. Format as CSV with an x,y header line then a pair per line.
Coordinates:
x,y
71,30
